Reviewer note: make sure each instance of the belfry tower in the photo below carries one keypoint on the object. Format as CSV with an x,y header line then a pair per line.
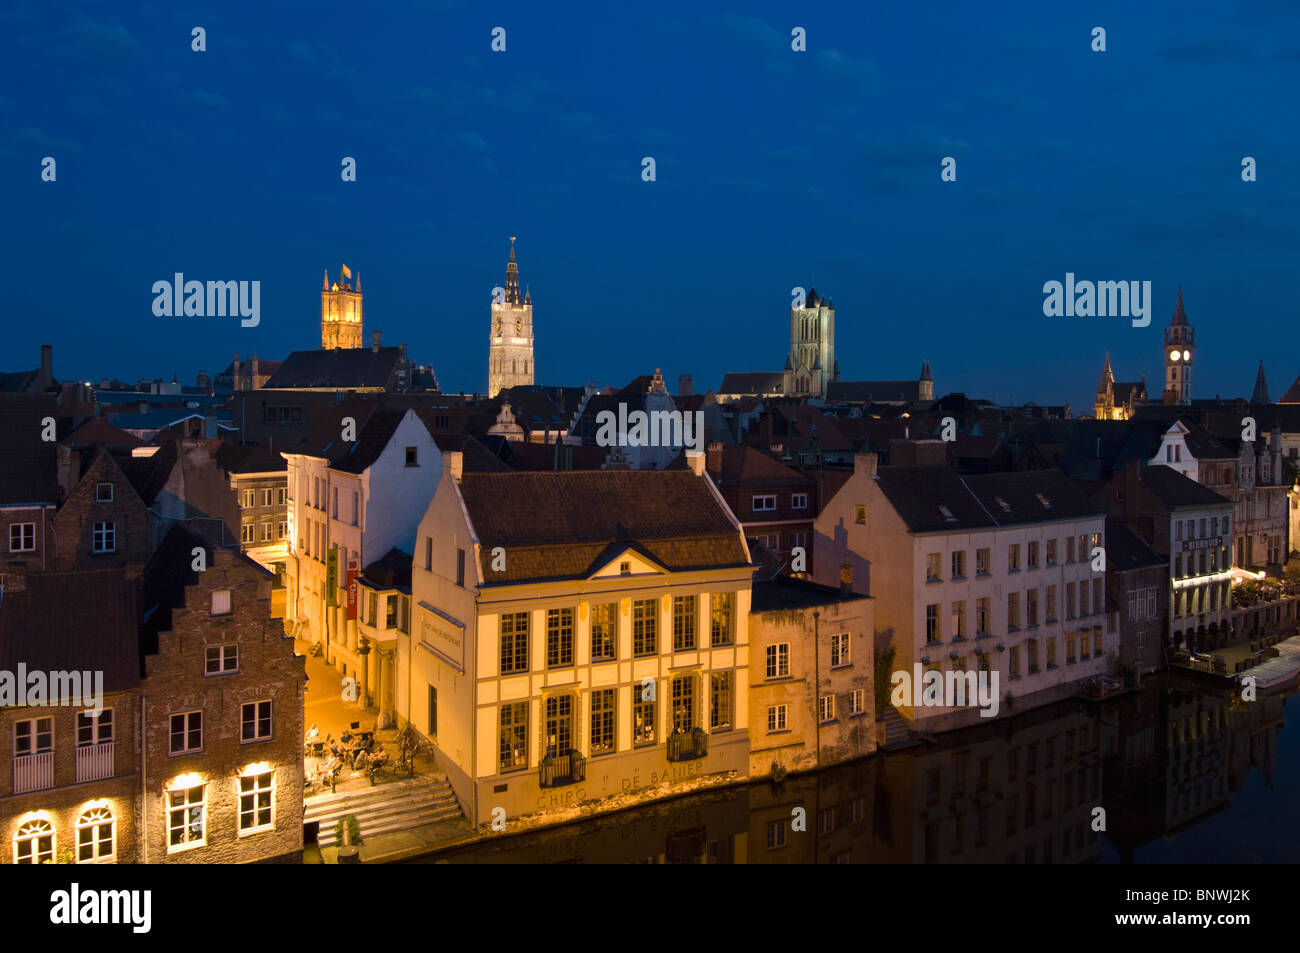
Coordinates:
x,y
340,312
510,345
1180,347
810,366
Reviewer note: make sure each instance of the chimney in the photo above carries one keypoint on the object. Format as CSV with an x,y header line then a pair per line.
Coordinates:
x,y
695,460
865,464
374,346
47,363
685,385
713,458
453,463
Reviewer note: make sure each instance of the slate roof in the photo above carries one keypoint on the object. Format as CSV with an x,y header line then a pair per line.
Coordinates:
x,y
753,382
560,525
976,501
1292,395
28,471
1175,490
84,620
475,456
372,437
98,430
342,368
786,593
859,392
248,458
1125,551
390,571
148,475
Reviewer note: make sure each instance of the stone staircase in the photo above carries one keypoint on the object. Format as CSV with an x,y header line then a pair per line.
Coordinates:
x,y
897,732
385,808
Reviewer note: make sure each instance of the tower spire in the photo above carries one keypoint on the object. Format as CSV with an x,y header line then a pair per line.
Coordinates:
x,y
1260,394
512,276
1180,316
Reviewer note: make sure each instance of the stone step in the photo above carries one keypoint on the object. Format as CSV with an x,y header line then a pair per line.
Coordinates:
x,y
362,796
390,825
390,809
384,808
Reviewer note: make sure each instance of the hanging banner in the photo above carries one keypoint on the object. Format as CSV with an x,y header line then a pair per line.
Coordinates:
x,y
354,589
332,576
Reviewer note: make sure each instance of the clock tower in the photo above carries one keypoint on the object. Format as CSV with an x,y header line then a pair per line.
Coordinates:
x,y
510,345
1180,348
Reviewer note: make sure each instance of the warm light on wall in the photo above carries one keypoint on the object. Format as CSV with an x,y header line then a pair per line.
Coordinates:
x,y
257,767
184,782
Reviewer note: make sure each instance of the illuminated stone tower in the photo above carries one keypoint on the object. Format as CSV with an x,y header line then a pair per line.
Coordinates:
x,y
340,312
1180,347
811,364
510,346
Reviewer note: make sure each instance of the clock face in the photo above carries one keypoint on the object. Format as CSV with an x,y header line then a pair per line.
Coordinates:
x,y
1187,355
1174,355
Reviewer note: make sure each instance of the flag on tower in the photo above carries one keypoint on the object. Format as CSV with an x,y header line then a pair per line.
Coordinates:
x,y
347,272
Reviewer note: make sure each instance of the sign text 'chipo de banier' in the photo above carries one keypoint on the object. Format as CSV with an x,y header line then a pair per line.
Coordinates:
x,y
656,428
222,298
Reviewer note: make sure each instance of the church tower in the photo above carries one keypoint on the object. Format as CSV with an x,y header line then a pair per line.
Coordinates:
x,y
340,312
1180,346
811,364
510,346
1103,408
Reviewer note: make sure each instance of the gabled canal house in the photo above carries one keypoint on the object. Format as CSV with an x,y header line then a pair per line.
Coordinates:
x,y
577,636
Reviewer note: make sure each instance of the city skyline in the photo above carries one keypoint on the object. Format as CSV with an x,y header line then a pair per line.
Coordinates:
x,y
824,171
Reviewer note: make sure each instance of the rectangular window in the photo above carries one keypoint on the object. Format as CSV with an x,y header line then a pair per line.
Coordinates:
x,y
247,530
643,714
826,708
959,620
1083,599
1069,600
839,649
93,730
602,720
982,606
255,795
282,495
281,529
959,564
645,627
1069,549
247,499
267,528
221,659
255,721
764,504
932,570
1051,652
721,700
433,712
1083,643
334,508
1014,664
559,638
1051,552
859,513
722,612
1013,557
1013,610
428,554
1032,655
798,501
1050,610
559,724
22,537
604,632
514,642
1033,554
104,538
390,612
1031,607
33,736
187,817
267,496
356,508
775,834
683,695
856,701
778,660
1069,649
684,622
776,718
412,457
186,732
981,562
512,736
460,567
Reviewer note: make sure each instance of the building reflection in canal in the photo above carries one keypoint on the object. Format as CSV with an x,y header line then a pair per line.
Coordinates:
x,y
1027,789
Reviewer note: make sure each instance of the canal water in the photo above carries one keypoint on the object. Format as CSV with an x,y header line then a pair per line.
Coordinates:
x,y
1182,771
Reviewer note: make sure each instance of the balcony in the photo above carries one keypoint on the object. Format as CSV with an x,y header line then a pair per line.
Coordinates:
x,y
688,745
560,769
33,772
95,762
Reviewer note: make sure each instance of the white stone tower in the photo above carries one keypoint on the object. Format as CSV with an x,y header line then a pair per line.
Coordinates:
x,y
1180,348
811,364
510,346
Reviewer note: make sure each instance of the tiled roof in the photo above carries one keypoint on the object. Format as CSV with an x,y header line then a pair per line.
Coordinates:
x,y
920,496
747,467
1125,551
1175,490
372,437
343,368
786,593
148,475
248,458
83,621
97,430
390,571
558,525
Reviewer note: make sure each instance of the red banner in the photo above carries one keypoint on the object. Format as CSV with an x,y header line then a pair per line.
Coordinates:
x,y
353,588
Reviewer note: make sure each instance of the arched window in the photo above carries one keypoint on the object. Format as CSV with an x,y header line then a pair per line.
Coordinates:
x,y
34,843
95,836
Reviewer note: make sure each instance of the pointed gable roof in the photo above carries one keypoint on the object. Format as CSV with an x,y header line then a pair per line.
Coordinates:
x,y
1260,394
1180,316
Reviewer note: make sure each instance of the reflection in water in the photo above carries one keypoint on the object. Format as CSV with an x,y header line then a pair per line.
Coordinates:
x,y
1160,763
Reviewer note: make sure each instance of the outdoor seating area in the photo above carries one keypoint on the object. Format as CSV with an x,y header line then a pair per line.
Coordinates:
x,y
357,754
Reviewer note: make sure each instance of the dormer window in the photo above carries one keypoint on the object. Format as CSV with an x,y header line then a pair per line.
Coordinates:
x,y
1047,505
1006,507
947,514
625,568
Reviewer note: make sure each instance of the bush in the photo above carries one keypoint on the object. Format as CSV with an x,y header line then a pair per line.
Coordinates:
x,y
353,829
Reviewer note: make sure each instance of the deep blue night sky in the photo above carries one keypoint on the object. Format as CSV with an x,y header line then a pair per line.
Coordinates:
x,y
775,169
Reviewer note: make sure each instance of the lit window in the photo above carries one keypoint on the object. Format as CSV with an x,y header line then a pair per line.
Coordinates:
x,y
95,836
839,649
256,795
776,718
187,811
34,843
186,732
778,660
255,721
221,602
